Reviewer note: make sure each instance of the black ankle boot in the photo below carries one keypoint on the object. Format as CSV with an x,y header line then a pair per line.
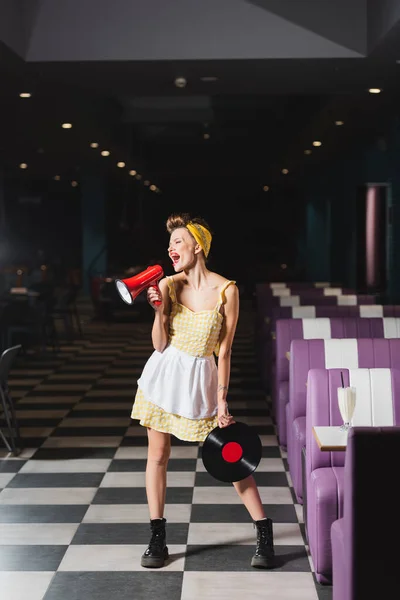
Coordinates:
x,y
264,558
157,551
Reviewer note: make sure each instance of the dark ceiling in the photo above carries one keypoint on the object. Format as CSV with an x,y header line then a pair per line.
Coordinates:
x,y
259,116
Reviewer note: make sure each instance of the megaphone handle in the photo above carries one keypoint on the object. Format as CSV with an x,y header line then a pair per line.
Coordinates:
x,y
157,302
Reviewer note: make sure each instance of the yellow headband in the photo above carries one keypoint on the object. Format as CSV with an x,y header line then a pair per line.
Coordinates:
x,y
202,236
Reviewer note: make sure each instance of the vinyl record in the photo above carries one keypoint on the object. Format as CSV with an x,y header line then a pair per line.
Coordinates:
x,y
232,453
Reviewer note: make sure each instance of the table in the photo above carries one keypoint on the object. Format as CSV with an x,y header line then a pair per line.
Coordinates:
x,y
330,438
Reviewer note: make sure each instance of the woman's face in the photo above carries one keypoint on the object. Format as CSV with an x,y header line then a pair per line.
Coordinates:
x,y
181,249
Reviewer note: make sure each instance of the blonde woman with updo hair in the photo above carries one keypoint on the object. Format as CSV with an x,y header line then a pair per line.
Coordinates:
x,y
182,391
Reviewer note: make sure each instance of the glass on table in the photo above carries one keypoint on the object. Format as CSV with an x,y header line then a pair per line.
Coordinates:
x,y
347,405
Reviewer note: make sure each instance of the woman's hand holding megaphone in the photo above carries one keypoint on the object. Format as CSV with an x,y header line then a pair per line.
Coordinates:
x,y
154,297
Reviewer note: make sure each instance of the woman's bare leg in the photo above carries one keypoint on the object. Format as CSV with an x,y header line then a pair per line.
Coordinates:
x,y
264,557
248,492
159,451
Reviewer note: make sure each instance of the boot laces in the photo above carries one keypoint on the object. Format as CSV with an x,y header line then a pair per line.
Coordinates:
x,y
263,538
157,540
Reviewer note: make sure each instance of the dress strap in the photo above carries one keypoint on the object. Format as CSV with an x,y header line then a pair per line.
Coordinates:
x,y
222,296
171,289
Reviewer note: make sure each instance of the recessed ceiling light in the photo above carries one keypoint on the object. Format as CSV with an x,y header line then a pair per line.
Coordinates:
x,y
180,82
317,143
132,172
66,125
209,79
74,183
339,123
23,166
121,164
374,90
25,95
138,176
105,153
57,177
94,145
146,183
266,188
307,152
153,188
206,136
285,171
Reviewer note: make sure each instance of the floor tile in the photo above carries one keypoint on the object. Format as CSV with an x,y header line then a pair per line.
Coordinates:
x,y
31,558
92,585
79,465
36,513
121,557
279,586
17,585
238,557
134,513
56,480
126,533
286,534
25,534
60,495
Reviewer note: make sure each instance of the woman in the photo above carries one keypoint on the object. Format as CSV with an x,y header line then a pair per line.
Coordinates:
x,y
181,390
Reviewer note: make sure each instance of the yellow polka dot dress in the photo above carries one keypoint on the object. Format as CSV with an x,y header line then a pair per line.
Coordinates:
x,y
177,390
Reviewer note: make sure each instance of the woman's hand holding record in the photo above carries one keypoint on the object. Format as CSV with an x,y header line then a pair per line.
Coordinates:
x,y
224,418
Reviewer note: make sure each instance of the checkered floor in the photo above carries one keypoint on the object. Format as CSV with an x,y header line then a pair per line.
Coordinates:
x,y
73,512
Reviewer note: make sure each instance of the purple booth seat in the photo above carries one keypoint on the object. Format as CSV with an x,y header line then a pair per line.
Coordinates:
x,y
266,300
266,351
370,494
315,311
314,298
307,291
334,353
377,404
265,310
266,307
264,290
295,284
365,311
288,330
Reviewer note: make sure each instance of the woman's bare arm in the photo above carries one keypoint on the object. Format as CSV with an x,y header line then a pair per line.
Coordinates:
x,y
231,315
159,332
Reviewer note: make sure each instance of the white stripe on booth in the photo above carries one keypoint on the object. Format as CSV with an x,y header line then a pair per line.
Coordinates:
x,y
371,311
280,292
347,300
277,285
341,353
317,329
299,312
391,327
360,379
290,301
332,291
374,397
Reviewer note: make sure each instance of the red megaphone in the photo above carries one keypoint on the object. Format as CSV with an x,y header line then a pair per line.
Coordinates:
x,y
130,288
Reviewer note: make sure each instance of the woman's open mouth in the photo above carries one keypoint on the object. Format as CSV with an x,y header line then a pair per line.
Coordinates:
x,y
175,258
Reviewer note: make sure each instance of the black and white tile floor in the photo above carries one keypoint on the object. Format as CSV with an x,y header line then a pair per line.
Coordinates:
x,y
73,513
